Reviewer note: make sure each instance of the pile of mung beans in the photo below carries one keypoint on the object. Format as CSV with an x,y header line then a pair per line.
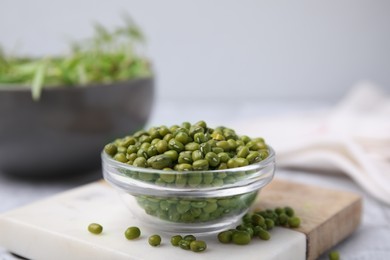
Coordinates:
x,y
258,224
188,147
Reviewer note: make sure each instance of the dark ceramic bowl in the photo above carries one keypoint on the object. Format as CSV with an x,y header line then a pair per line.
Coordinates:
x,y
65,131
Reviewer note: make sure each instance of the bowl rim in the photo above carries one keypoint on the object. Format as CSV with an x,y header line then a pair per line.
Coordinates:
x,y
270,159
27,88
264,173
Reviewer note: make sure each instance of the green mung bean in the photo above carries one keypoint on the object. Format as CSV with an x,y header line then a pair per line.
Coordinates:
x,y
263,234
184,244
95,228
110,149
200,165
189,238
140,162
121,157
289,211
198,246
154,240
241,238
269,223
225,237
175,145
176,239
294,222
191,146
132,233
257,219
279,210
334,255
224,145
283,219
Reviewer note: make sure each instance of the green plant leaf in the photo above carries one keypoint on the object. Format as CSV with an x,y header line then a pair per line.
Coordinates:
x,y
38,80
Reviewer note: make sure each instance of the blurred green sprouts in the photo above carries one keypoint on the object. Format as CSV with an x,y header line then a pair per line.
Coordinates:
x,y
108,56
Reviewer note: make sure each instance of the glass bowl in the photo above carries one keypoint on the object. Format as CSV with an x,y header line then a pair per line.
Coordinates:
x,y
189,201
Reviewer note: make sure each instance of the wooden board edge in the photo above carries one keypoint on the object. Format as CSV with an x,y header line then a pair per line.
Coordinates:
x,y
329,233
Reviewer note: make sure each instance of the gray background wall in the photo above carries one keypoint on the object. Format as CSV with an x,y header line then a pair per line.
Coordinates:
x,y
227,49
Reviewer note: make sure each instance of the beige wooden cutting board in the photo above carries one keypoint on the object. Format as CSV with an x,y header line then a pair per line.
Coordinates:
x,y
55,228
328,216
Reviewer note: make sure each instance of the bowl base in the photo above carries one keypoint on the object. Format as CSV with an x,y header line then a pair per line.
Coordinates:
x,y
173,227
206,228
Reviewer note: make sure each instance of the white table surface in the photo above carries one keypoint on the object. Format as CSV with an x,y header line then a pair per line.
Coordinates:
x,y
370,241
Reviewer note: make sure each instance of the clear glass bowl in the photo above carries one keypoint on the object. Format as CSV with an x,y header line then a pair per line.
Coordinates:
x,y
189,201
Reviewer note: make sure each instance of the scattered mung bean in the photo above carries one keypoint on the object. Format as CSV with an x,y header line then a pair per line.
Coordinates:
x,y
198,246
132,233
154,240
95,228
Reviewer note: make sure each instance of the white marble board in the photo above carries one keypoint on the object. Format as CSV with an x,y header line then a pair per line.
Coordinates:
x,y
56,228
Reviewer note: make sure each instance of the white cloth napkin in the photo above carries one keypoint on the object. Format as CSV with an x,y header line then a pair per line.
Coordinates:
x,y
354,138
